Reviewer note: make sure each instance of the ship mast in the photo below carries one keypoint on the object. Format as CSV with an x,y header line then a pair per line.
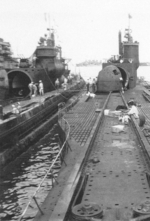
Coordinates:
x,y
129,17
128,31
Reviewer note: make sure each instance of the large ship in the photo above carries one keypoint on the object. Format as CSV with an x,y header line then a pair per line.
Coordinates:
x,y
46,64
7,63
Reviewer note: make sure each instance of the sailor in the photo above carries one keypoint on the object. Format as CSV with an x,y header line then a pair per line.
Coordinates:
x,y
121,81
71,78
34,90
41,88
30,88
15,109
57,84
65,83
18,107
78,78
87,85
134,111
94,85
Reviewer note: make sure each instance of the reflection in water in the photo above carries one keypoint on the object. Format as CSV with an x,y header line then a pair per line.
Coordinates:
x,y
20,179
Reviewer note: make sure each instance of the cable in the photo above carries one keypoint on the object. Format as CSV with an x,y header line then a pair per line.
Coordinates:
x,y
48,171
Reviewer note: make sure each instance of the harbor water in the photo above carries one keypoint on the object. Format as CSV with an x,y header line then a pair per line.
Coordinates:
x,y
144,71
20,178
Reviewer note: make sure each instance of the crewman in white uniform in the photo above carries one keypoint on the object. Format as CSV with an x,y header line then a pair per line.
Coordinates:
x,y
41,88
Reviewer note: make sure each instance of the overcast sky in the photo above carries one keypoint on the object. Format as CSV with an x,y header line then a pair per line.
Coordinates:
x,y
86,29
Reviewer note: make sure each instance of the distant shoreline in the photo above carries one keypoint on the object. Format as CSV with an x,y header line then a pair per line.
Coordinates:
x,y
88,65
144,64
91,65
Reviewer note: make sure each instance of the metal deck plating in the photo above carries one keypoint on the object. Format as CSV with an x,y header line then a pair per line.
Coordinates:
x,y
106,172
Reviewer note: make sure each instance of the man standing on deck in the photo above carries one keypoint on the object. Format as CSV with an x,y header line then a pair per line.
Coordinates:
x,y
87,85
65,83
18,107
34,90
94,85
121,81
57,84
41,88
30,88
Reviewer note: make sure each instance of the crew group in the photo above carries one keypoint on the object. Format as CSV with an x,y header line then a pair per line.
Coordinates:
x,y
16,108
34,89
91,84
64,85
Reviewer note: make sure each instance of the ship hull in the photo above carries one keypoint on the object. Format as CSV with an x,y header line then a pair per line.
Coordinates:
x,y
19,79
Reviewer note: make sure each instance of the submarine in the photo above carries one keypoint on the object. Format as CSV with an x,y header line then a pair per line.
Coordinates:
x,y
120,70
46,64
109,179
105,173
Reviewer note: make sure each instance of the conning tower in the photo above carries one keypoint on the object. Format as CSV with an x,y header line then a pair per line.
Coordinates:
x,y
131,49
123,66
45,64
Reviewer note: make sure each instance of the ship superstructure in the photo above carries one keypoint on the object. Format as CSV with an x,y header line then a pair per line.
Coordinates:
x,y
7,62
123,66
46,64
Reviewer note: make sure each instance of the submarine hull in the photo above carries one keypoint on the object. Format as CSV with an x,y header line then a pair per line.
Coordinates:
x,y
20,78
109,77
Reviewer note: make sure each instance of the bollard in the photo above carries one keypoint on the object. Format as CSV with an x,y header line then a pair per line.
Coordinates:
x,y
1,112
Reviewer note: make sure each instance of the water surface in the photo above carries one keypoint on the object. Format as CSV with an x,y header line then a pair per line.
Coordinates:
x,y
21,178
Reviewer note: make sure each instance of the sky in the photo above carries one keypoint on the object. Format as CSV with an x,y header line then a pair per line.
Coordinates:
x,y
86,29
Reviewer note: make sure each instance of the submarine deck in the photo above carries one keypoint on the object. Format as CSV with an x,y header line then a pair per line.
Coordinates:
x,y
119,168
34,100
